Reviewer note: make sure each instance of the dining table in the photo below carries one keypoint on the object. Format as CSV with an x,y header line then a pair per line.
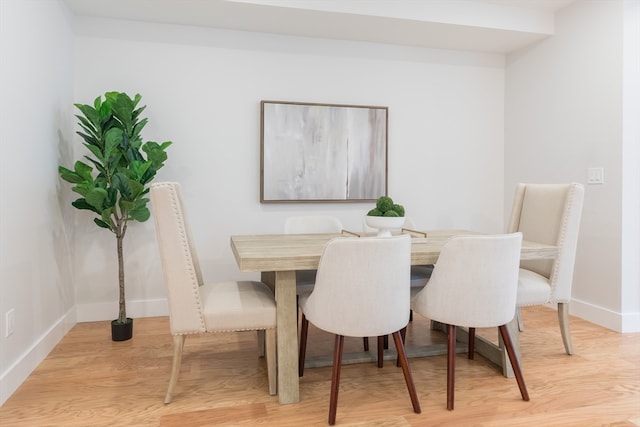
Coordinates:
x,y
277,257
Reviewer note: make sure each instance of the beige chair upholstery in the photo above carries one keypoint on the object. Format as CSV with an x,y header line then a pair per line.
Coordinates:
x,y
550,214
474,285
195,306
362,289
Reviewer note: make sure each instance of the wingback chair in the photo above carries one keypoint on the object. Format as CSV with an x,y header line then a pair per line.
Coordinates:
x,y
550,214
197,307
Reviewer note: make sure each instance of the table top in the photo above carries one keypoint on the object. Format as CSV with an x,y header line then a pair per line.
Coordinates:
x,y
282,252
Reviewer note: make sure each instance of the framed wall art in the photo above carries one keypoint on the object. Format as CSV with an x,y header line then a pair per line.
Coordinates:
x,y
322,152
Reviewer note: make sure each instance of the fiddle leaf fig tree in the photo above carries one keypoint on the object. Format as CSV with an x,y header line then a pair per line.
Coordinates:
x,y
113,180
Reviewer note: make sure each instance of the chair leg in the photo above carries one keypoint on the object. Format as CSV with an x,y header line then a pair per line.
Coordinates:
x,y
381,351
178,346
472,343
519,318
270,346
451,365
335,378
385,340
261,343
304,329
563,319
408,378
504,333
365,343
403,335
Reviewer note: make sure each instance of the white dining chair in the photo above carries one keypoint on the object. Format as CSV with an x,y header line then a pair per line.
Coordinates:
x,y
550,214
197,307
474,285
362,289
310,224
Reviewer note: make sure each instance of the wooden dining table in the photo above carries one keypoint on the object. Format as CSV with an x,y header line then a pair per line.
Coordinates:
x,y
278,256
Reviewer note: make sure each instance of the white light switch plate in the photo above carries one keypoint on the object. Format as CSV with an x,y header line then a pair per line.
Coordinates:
x,y
595,176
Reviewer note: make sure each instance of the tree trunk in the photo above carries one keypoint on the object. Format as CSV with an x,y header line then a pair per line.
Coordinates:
x,y
122,311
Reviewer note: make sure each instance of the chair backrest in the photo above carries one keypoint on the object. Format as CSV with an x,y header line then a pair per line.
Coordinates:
x,y
312,224
180,266
474,283
550,214
362,286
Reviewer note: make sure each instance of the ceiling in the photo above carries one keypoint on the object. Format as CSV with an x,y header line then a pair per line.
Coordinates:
x,y
494,26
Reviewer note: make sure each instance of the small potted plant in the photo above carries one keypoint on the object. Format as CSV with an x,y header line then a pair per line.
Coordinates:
x,y
124,166
386,216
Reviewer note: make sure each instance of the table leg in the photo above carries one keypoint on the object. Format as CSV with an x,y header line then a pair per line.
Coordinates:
x,y
287,333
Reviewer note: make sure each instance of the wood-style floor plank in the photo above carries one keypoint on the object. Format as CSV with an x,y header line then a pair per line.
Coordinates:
x,y
89,380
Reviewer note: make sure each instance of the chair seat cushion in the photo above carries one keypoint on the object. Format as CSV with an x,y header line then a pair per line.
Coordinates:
x,y
533,288
237,306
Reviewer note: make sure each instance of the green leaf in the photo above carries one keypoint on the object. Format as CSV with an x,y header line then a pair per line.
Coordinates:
x,y
92,115
69,175
83,170
112,138
101,223
140,214
83,205
96,152
121,183
96,197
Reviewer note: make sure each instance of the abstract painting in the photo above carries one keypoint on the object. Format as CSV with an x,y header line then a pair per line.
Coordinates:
x,y
322,152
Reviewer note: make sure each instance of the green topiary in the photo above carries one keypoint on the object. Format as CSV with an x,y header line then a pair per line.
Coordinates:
x,y
386,207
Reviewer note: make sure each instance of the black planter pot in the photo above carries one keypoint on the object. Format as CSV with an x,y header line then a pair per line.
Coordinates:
x,y
122,331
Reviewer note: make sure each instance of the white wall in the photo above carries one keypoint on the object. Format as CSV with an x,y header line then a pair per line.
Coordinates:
x,y
203,87
36,83
564,114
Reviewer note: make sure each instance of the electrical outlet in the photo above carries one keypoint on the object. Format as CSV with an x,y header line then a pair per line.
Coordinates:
x,y
10,322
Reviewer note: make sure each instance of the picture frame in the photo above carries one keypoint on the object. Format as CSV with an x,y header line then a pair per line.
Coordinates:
x,y
313,152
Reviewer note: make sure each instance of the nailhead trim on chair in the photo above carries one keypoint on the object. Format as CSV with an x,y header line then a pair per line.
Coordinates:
x,y
175,204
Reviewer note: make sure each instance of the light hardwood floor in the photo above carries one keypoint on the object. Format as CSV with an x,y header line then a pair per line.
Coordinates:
x,y
88,380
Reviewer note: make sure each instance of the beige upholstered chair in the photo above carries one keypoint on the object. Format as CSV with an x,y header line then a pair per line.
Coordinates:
x,y
550,214
310,224
196,307
474,285
362,289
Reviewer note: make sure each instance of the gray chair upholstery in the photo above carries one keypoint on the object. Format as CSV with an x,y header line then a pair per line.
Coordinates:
x,y
474,285
361,290
197,307
550,214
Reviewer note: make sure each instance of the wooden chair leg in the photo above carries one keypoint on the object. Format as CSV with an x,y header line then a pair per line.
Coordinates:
x,y
335,378
472,343
563,319
270,350
261,343
365,343
304,329
178,346
381,351
385,341
408,378
403,335
504,333
451,365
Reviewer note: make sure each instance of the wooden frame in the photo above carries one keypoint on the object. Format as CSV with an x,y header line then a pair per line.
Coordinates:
x,y
313,152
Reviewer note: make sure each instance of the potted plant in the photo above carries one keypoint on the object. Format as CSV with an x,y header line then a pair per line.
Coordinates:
x,y
386,216
115,191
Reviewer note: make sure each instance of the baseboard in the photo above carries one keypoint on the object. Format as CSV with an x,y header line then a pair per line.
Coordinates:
x,y
109,310
620,322
19,371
